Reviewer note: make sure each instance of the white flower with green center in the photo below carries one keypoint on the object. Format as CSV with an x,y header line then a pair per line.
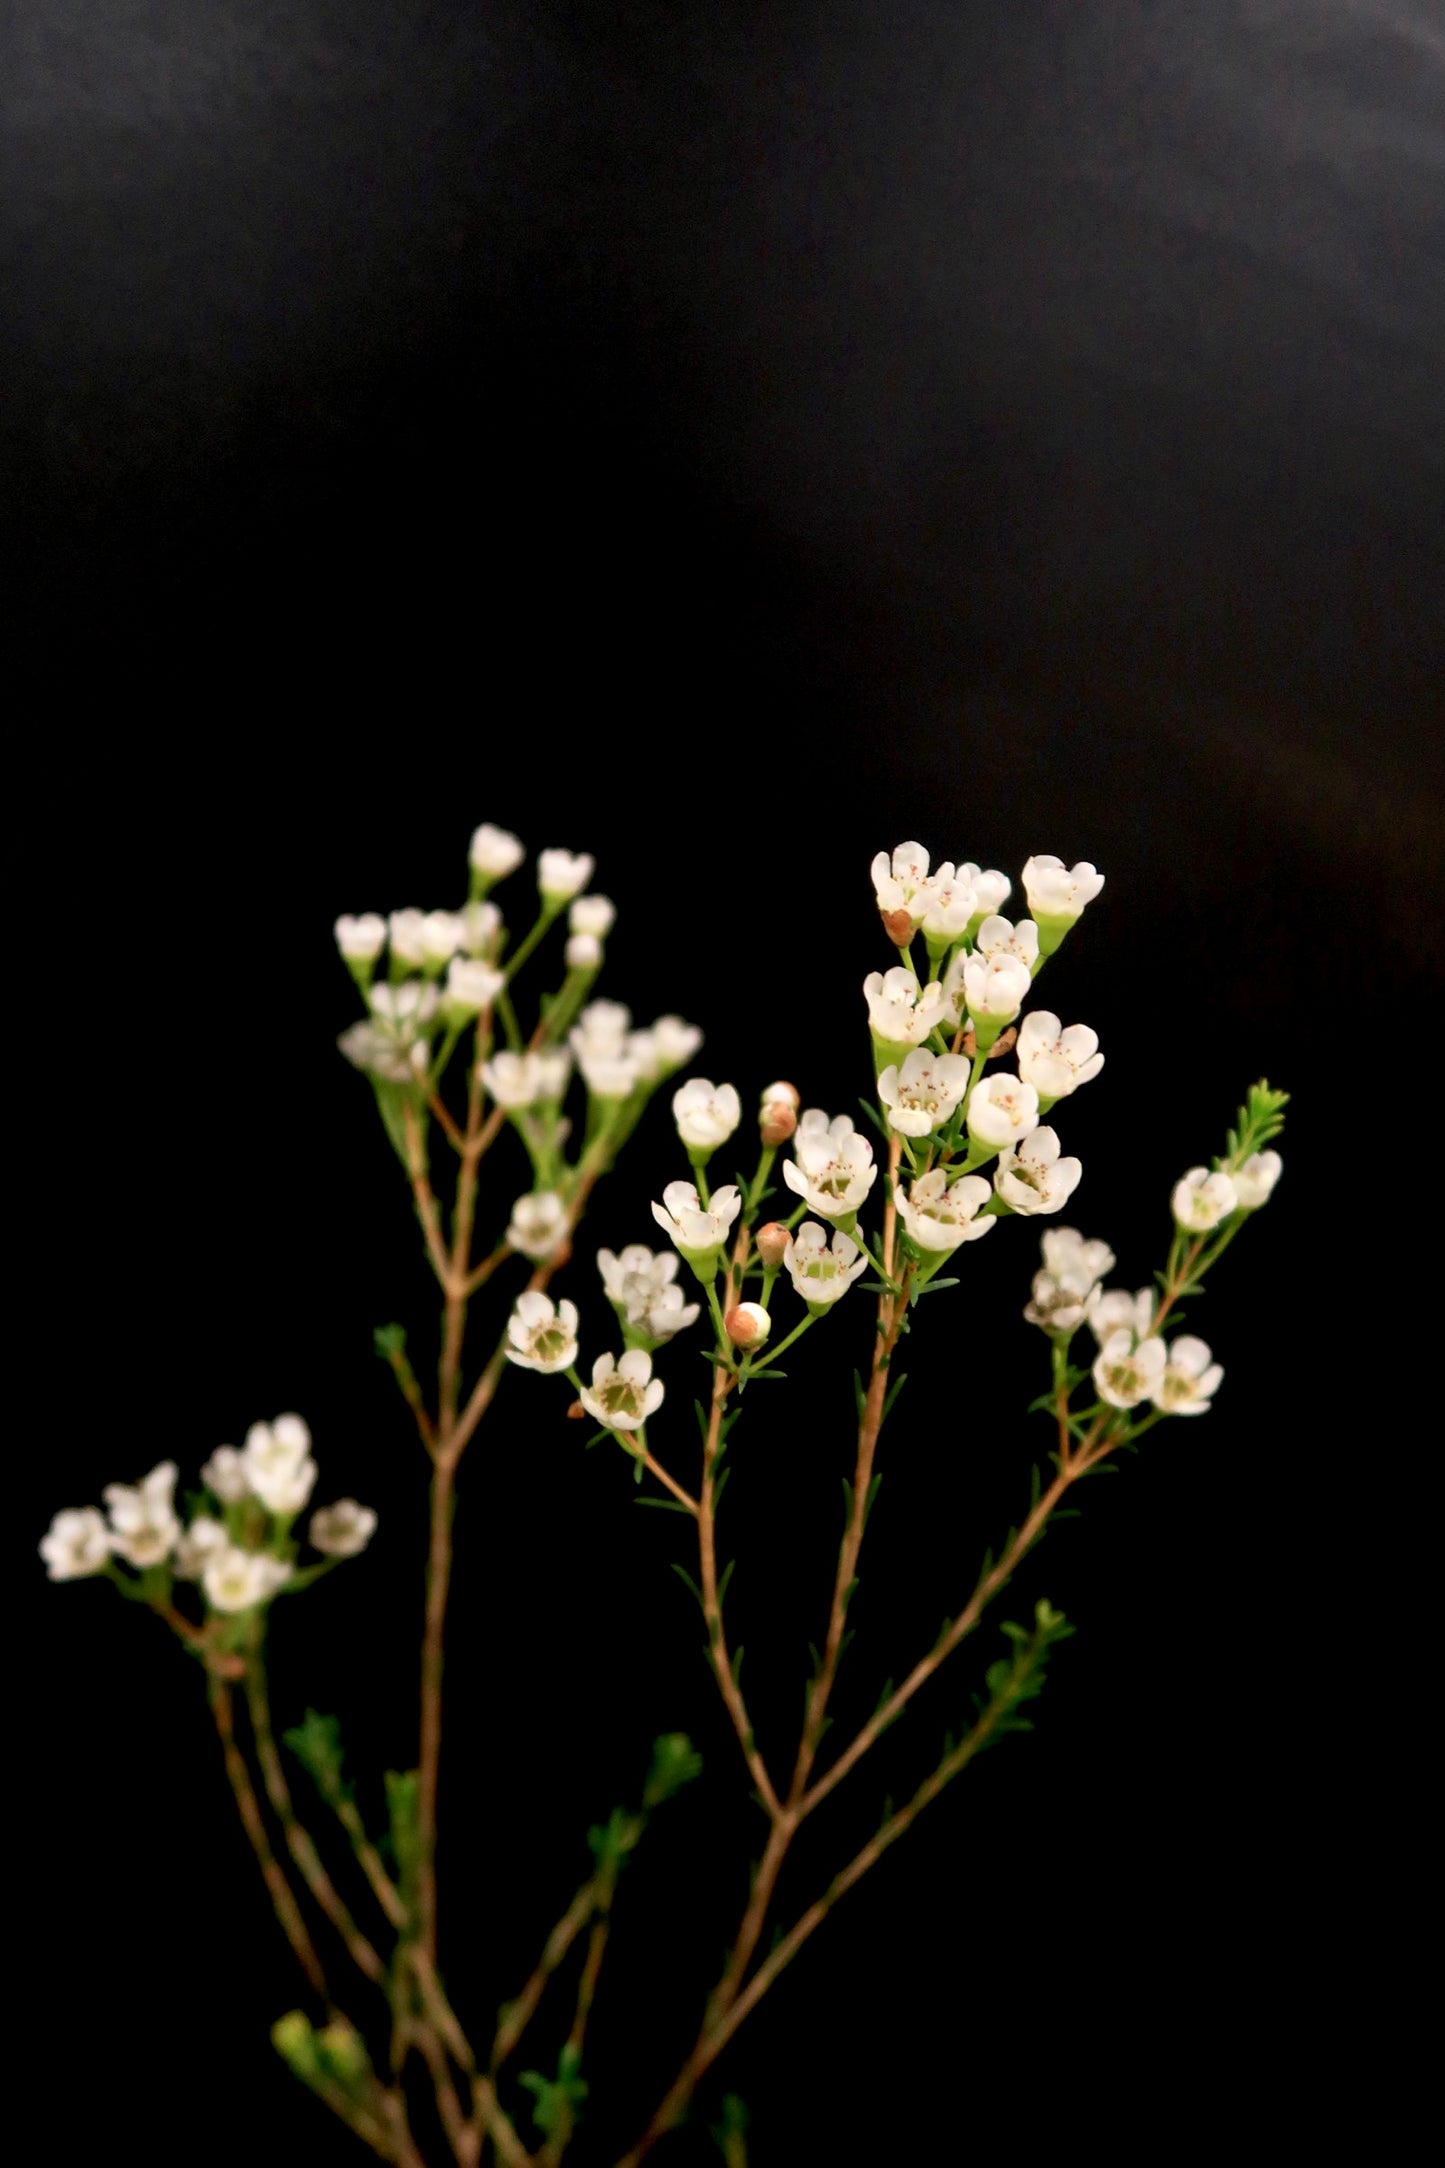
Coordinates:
x,y
899,880
995,987
1065,1289
991,888
698,1232
832,1170
201,1541
342,1530
822,1272
1057,895
538,1226
1033,1178
495,852
76,1543
143,1521
1001,1110
1058,1302
224,1475
901,1013
1190,1379
278,1463
541,1334
361,940
236,1580
623,1392
641,1287
1128,1371
1256,1178
561,875
1111,1310
922,1092
949,907
938,1214
1054,1060
706,1114
1201,1200
1001,937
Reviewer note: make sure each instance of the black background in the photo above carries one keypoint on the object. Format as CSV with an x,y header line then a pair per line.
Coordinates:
x,y
732,441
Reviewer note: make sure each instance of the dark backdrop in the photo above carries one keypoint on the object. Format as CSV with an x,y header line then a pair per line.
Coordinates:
x,y
733,441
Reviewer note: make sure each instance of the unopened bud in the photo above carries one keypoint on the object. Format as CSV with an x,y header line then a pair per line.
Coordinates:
x,y
786,1092
898,925
772,1244
576,1412
777,1122
1003,1042
748,1324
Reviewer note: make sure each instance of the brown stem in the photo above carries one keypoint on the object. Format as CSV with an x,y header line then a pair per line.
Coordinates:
x,y
286,1908
518,2014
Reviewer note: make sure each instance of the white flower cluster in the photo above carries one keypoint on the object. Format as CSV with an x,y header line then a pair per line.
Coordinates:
x,y
240,1552
616,1060
1134,1363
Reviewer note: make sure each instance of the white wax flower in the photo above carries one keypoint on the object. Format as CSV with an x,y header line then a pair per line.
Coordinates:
x,y
822,1272
1072,1271
1056,891
991,888
538,1225
1256,1178
200,1541
442,933
939,1214
1059,1301
481,924
541,1334
143,1516
949,904
995,987
706,1114
405,932
640,1286
384,1051
901,1011
833,1169
607,1075
76,1543
1001,1110
897,879
1127,1371
675,1042
472,985
1190,1379
342,1530
1064,1249
406,1007
234,1579
1201,1200
1056,1062
1033,1178
495,852
596,915
601,1028
1000,937
697,1233
224,1474
563,874
1111,1310
361,940
279,1467
583,952
527,1080
922,1093
623,1393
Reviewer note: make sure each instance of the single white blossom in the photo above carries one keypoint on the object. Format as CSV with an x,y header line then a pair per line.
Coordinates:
x,y
1190,1379
1072,1271
583,952
601,1028
596,915
939,1214
406,1007
623,1393
563,874
541,1334
923,1092
609,1076
1000,937
641,1287
442,934
1256,1178
991,888
76,1543
538,1225
1057,895
995,987
224,1475
1201,1200
201,1541
472,985
1056,1062
1111,1310
674,1043
1033,1178
706,1114
279,1467
822,1272
900,1011
361,940
495,852
382,1051
527,1080
949,904
698,1233
481,927
1127,1370
143,1519
1001,1109
234,1579
898,880
405,932
1065,1250
832,1169
342,1530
